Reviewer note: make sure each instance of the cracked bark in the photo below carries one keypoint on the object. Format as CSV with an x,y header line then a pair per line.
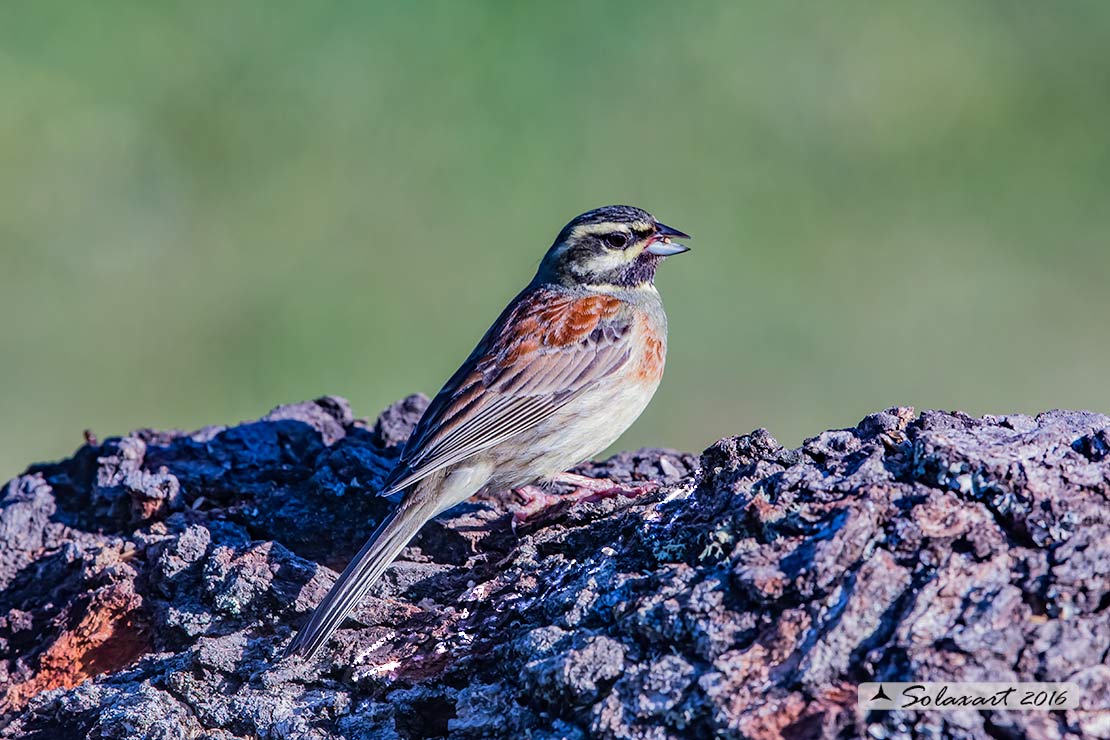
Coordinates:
x,y
147,583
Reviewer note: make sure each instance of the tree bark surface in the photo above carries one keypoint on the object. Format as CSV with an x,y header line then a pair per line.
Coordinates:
x,y
148,584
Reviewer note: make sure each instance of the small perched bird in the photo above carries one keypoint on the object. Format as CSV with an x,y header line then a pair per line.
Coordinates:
x,y
565,370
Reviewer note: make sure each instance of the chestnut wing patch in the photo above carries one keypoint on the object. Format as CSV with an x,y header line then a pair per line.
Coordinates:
x,y
542,352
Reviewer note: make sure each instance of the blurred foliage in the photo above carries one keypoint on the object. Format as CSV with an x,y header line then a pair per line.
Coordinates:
x,y
208,209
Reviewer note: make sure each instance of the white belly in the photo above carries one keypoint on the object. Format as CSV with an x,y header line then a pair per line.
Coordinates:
x,y
589,426
574,434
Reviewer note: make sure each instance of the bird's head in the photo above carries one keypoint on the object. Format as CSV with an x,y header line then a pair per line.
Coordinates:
x,y
613,246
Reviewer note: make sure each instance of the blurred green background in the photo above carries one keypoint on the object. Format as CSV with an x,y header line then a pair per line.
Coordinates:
x,y
210,209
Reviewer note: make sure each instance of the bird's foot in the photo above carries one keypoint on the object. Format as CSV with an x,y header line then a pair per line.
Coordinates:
x,y
533,502
596,489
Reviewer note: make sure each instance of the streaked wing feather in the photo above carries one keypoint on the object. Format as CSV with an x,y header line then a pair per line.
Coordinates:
x,y
543,352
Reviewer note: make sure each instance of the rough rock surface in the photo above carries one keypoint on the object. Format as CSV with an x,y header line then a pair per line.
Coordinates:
x,y
147,584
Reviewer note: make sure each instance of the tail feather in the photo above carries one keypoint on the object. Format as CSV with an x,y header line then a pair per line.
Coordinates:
x,y
380,550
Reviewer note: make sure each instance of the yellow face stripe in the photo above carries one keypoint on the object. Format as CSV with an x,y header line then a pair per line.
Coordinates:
x,y
608,227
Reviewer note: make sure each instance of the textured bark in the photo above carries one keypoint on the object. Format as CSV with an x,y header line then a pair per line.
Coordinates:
x,y
147,584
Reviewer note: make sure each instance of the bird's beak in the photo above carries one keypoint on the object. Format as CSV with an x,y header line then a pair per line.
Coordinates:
x,y
661,243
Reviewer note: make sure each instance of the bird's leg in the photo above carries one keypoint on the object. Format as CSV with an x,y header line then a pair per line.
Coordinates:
x,y
594,489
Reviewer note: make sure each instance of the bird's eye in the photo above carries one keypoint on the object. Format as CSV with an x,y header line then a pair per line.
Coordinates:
x,y
617,240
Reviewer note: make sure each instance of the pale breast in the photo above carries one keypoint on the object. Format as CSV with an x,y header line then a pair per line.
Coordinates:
x,y
589,424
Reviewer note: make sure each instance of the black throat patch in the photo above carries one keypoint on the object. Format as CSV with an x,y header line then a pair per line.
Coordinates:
x,y
639,271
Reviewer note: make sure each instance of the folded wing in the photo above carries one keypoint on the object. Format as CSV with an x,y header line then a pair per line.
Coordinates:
x,y
543,351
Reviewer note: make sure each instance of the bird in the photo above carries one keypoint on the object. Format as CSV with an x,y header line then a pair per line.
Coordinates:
x,y
565,369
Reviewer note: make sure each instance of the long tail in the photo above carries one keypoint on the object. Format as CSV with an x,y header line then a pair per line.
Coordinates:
x,y
383,546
